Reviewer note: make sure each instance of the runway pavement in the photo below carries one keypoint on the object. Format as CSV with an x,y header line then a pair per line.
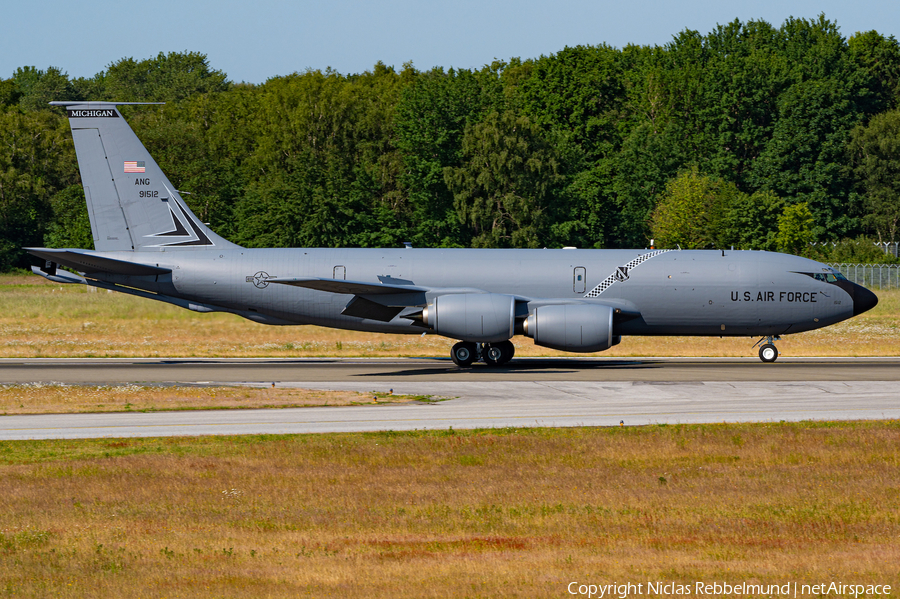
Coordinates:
x,y
190,370
539,392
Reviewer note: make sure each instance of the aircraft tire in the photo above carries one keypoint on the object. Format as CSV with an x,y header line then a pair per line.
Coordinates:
x,y
768,353
508,350
493,354
463,354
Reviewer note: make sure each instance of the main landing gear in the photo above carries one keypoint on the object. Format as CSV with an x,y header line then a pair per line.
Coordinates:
x,y
768,352
465,353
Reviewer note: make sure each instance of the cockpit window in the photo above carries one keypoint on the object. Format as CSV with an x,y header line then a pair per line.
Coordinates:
x,y
827,277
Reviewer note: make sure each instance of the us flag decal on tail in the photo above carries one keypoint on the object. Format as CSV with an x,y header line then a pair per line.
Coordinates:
x,y
133,166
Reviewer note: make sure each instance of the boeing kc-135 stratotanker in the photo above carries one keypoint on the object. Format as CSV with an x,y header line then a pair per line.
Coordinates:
x,y
148,243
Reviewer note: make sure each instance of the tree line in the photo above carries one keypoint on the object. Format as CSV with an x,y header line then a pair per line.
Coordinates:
x,y
752,136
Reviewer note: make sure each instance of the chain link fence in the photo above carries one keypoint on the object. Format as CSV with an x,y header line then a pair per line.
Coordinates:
x,y
875,276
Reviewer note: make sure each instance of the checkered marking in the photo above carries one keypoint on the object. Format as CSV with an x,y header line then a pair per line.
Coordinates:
x,y
622,273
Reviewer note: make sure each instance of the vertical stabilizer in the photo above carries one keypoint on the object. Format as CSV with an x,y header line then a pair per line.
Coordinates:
x,y
131,203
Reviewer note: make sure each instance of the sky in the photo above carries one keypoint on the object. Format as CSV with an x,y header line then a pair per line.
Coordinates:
x,y
253,41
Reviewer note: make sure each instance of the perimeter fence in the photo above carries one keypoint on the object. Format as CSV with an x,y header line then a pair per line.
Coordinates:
x,y
876,276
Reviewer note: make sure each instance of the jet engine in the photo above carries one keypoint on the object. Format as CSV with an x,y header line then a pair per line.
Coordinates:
x,y
572,327
480,317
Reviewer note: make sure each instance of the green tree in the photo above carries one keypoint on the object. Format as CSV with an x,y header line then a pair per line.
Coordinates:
x,y
690,210
323,143
299,174
701,211
579,90
577,97
751,222
36,160
69,226
877,62
764,108
795,229
298,209
164,78
805,159
875,155
431,117
9,93
720,91
37,87
633,180
504,189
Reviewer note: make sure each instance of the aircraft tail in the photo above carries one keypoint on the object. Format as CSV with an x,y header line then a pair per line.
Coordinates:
x,y
131,204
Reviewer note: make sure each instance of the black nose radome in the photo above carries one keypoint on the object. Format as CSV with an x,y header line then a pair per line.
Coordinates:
x,y
863,300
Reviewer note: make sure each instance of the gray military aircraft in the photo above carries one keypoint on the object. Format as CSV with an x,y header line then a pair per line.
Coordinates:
x,y
148,243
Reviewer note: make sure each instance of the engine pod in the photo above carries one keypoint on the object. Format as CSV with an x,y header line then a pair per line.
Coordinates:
x,y
572,327
480,317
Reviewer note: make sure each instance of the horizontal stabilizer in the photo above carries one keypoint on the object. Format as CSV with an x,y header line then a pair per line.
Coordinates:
x,y
59,276
89,262
349,287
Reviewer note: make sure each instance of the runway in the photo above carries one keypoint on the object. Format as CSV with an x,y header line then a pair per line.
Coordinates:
x,y
230,370
539,392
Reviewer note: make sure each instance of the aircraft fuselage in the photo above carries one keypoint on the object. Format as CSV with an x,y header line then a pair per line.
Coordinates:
x,y
690,292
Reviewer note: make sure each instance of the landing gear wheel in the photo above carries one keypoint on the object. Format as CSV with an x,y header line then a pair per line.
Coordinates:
x,y
506,352
492,354
768,353
463,354
509,351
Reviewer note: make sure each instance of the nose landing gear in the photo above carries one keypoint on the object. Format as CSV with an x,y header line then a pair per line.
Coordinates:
x,y
768,352
465,353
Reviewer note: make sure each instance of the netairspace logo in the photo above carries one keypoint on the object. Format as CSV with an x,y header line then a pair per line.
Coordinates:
x,y
790,589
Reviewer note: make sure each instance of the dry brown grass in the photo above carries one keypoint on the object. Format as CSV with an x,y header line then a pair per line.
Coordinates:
x,y
504,513
40,319
40,398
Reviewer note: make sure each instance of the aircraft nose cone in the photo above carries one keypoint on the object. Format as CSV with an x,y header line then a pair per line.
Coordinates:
x,y
863,300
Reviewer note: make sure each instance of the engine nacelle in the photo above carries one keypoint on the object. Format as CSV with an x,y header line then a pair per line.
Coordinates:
x,y
481,317
572,327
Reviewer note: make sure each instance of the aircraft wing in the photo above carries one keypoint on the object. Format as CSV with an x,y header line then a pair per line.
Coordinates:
x,y
349,287
374,301
87,262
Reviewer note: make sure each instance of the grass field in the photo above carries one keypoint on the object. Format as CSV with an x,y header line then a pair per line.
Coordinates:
x,y
40,319
500,513
37,398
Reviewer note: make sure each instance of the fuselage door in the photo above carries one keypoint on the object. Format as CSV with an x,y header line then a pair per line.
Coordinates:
x,y
340,273
579,279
